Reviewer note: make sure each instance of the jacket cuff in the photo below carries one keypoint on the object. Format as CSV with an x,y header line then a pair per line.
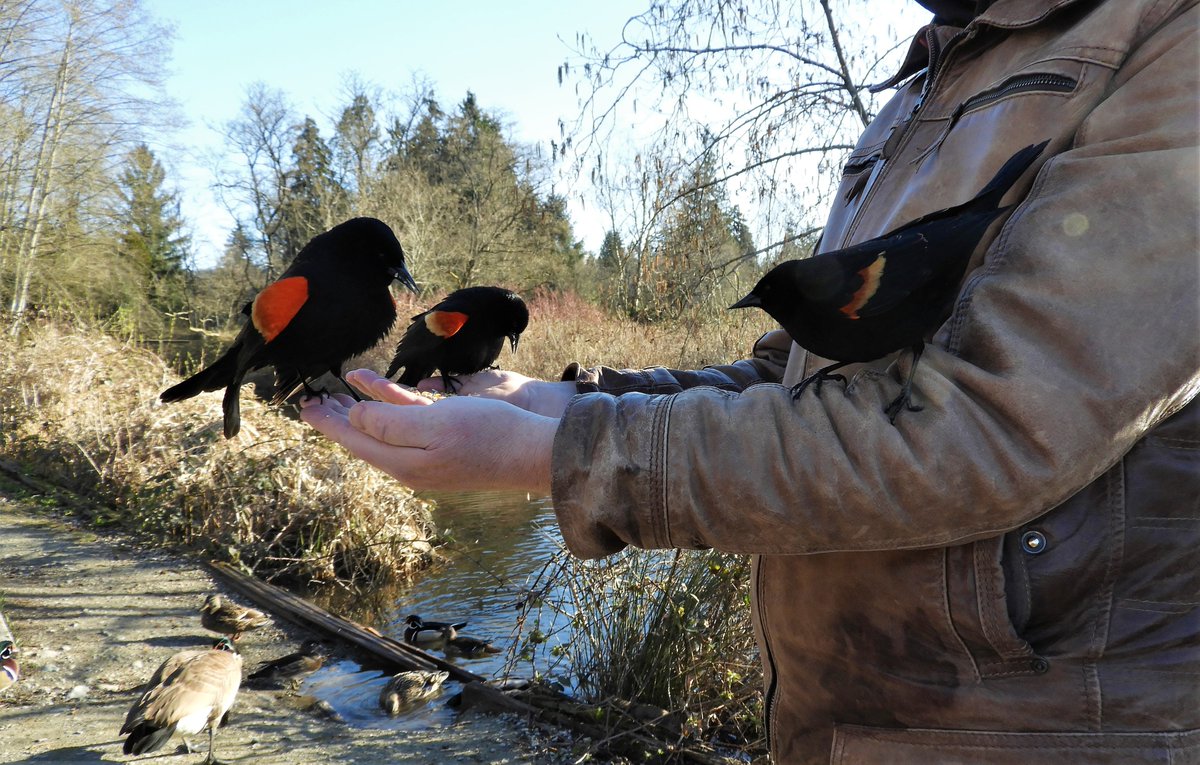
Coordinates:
x,y
607,471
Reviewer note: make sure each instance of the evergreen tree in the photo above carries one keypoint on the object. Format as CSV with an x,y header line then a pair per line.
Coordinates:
x,y
152,235
314,201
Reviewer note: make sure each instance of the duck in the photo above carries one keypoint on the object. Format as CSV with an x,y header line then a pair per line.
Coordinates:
x,y
220,615
290,668
9,671
405,689
418,631
191,691
464,645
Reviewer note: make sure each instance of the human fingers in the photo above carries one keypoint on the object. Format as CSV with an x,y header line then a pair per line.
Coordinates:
x,y
383,389
479,383
333,422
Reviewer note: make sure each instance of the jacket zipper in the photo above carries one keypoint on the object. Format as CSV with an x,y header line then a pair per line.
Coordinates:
x,y
1048,83
1022,83
769,698
898,130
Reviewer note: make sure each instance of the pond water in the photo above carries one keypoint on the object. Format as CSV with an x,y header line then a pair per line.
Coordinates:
x,y
501,541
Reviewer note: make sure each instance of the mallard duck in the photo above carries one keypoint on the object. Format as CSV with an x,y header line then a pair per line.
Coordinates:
x,y
464,645
419,631
220,615
407,688
308,659
9,671
192,690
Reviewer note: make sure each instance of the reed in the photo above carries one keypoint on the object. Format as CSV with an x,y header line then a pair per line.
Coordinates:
x,y
80,408
668,633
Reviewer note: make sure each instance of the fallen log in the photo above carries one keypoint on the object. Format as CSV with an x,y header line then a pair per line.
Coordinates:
x,y
610,728
392,654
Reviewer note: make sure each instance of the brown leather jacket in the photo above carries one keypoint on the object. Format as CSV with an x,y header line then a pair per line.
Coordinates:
x,y
1011,575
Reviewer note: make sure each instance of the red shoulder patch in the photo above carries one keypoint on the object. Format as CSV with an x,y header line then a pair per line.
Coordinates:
x,y
445,323
870,284
278,304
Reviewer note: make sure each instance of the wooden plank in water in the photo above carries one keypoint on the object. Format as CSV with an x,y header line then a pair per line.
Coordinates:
x,y
391,653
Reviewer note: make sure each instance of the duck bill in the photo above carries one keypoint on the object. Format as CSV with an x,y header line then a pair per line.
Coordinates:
x,y
750,301
402,275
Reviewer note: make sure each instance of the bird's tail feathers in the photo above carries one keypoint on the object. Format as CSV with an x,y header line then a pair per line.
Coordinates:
x,y
231,405
146,738
1007,175
217,375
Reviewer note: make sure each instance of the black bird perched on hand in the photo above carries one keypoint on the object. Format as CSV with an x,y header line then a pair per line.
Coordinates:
x,y
868,300
331,303
461,335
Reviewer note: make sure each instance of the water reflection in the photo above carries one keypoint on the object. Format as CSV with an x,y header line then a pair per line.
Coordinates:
x,y
500,541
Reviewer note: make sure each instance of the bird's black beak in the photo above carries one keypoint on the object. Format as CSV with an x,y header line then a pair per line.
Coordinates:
x,y
401,274
513,340
750,301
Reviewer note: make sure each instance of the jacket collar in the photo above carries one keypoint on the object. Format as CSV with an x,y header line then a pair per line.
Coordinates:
x,y
1003,14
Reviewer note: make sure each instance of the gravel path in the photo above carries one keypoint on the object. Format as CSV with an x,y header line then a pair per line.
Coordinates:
x,y
93,618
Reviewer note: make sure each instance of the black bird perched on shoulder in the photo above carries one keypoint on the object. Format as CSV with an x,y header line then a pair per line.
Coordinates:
x,y
331,303
461,335
868,300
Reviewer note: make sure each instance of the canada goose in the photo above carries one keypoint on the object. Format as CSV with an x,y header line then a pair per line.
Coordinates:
x,y
9,671
419,631
219,615
466,646
192,690
407,688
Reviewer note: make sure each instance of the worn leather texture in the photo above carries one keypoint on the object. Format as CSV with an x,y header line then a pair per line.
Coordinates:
x,y
899,604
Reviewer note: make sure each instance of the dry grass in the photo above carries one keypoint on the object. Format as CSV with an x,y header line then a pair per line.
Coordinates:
x,y
563,328
80,409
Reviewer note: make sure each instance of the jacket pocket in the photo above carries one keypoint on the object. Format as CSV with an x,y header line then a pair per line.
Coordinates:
x,y
1029,97
855,745
986,604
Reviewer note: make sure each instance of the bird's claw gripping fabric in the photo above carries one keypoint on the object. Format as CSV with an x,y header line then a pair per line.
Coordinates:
x,y
868,300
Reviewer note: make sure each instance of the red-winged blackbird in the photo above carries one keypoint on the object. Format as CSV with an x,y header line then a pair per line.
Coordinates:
x,y
331,303
866,301
461,335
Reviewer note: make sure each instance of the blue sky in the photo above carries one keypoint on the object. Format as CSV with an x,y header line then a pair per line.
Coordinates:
x,y
507,54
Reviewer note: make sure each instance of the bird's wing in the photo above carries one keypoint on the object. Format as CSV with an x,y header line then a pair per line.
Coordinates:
x,y
202,683
277,305
870,278
445,323
154,687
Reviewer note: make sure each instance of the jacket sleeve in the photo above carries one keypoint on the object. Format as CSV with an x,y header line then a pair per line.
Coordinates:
x,y
1076,336
767,364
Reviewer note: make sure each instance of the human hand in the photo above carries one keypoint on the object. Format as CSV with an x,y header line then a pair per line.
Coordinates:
x,y
459,442
549,399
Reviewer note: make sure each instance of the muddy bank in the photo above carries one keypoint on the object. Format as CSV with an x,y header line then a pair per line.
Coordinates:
x,y
94,616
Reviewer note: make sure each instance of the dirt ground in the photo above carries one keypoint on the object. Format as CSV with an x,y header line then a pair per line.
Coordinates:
x,y
95,616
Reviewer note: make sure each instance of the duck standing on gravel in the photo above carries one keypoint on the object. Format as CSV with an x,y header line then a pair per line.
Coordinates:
x,y
417,631
9,671
407,688
219,615
191,691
